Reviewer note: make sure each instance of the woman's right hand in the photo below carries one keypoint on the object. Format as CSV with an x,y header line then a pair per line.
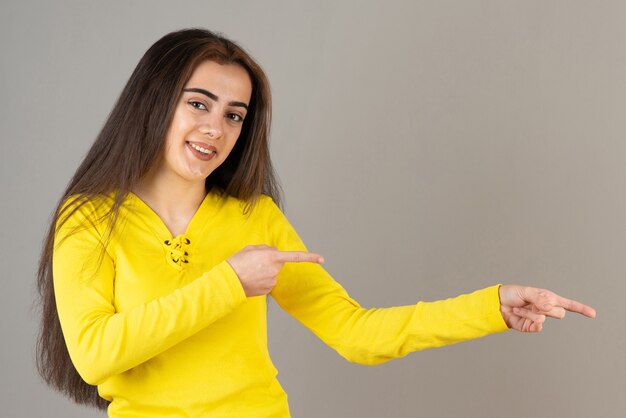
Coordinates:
x,y
258,265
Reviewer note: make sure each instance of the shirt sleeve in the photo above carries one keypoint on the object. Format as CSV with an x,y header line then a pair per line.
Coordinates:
x,y
102,342
373,336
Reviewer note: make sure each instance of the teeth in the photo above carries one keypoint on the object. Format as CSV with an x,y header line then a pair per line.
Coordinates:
x,y
202,150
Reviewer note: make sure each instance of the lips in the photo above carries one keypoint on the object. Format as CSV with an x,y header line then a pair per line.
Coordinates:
x,y
202,151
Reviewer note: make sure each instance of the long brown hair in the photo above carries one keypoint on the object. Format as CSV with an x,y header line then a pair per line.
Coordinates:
x,y
131,140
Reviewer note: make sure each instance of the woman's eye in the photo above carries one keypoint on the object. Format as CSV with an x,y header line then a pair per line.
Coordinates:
x,y
235,117
197,105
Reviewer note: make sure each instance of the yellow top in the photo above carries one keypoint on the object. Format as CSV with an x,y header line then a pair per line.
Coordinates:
x,y
162,325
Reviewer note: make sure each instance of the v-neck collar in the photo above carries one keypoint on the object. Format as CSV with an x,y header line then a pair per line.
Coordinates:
x,y
196,224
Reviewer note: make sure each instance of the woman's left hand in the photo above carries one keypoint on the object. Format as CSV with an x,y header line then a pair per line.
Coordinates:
x,y
525,308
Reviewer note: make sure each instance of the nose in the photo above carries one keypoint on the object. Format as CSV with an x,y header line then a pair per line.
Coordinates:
x,y
212,125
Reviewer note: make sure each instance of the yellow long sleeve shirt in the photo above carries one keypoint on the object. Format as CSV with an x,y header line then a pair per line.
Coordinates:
x,y
162,325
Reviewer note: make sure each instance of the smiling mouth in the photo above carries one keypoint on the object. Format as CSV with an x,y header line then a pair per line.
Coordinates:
x,y
202,150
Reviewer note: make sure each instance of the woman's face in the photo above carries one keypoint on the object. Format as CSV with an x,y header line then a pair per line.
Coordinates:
x,y
207,121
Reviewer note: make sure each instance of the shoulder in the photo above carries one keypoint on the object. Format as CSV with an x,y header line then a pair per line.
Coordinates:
x,y
271,214
266,203
259,207
86,206
84,212
262,214
266,210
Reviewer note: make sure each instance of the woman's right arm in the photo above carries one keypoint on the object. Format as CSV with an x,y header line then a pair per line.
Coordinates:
x,y
102,342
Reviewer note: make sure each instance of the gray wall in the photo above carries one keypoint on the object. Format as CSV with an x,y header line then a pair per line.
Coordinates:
x,y
426,148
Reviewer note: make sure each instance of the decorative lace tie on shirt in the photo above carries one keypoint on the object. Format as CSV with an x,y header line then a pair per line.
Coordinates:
x,y
177,253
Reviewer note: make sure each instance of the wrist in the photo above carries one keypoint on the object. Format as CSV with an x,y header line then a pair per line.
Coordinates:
x,y
503,310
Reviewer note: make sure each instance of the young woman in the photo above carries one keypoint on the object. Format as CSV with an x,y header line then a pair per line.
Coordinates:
x,y
169,238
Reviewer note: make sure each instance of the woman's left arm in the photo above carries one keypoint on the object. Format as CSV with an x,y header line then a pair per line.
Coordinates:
x,y
372,336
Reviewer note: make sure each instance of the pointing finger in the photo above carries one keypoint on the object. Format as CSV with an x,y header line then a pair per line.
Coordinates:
x,y
299,257
574,306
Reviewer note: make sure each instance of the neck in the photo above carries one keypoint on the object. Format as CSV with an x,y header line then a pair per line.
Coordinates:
x,y
174,199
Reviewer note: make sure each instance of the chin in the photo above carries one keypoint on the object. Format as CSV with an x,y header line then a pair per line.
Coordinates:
x,y
198,175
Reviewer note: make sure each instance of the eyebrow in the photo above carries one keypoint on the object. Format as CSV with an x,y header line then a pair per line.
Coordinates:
x,y
214,97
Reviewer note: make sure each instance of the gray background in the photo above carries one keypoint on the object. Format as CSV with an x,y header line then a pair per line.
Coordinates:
x,y
426,148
